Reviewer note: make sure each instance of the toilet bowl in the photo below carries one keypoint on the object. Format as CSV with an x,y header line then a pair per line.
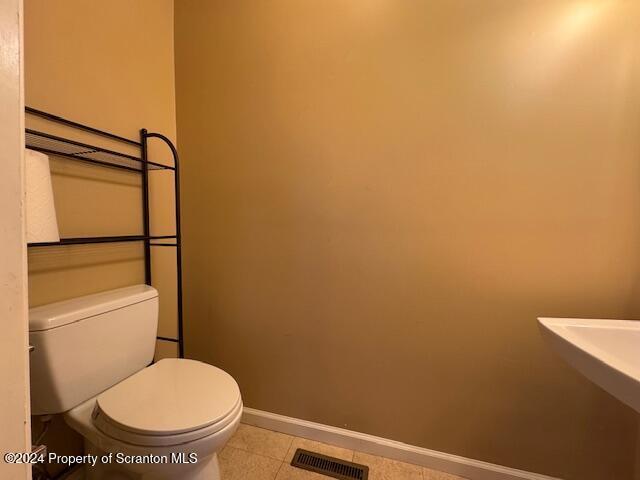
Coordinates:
x,y
167,421
164,421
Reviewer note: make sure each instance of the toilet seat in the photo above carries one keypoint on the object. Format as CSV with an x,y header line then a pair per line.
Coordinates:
x,y
171,402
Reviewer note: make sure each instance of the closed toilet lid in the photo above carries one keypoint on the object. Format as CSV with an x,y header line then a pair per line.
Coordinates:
x,y
171,397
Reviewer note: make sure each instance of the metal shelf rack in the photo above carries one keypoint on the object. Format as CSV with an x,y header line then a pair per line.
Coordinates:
x,y
103,157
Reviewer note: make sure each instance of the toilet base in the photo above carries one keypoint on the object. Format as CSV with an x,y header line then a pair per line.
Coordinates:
x,y
205,469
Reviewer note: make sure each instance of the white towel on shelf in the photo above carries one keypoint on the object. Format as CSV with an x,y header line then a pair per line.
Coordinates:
x,y
42,224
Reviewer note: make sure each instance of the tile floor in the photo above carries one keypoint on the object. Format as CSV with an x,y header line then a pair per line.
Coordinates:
x,y
258,454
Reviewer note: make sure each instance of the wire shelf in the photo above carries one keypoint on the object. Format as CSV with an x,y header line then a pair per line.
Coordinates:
x,y
112,239
53,145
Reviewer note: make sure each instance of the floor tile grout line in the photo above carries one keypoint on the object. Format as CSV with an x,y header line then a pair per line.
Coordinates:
x,y
278,471
284,459
286,455
255,453
289,447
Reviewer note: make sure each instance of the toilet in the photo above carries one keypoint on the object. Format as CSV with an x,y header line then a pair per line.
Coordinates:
x,y
92,362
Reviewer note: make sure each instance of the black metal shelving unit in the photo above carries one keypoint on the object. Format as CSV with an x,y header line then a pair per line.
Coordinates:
x,y
103,157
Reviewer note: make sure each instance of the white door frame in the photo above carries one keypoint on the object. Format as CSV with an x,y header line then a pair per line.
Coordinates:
x,y
15,422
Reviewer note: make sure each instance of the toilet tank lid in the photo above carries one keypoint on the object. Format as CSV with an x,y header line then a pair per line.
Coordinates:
x,y
53,315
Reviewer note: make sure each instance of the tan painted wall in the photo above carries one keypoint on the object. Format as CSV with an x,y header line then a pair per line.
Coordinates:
x,y
110,65
380,197
14,362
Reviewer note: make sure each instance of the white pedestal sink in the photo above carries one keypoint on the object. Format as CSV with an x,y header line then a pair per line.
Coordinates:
x,y
607,352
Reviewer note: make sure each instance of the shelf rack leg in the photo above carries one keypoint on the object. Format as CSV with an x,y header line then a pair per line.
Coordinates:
x,y
176,160
145,206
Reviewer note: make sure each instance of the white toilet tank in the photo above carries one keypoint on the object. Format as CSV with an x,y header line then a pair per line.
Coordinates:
x,y
85,345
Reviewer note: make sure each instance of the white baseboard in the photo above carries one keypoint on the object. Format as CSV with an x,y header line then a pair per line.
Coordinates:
x,y
445,462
